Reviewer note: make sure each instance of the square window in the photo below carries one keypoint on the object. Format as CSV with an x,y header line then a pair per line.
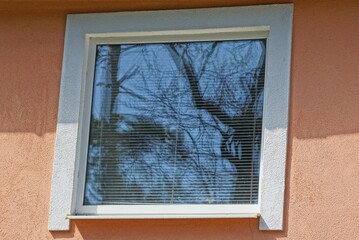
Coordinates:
x,y
176,123
179,118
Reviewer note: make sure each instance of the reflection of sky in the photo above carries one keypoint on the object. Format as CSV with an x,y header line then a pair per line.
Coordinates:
x,y
153,87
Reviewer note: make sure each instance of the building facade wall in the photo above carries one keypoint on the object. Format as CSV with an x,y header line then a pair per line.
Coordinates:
x,y
322,180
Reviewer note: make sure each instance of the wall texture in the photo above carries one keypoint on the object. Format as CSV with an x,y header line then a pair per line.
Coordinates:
x,y
322,183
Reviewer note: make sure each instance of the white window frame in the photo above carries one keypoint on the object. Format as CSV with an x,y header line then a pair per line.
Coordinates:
x,y
85,31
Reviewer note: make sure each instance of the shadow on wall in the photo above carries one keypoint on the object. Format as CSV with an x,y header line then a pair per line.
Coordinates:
x,y
31,56
169,229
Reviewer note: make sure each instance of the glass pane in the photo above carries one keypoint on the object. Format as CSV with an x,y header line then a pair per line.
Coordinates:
x,y
176,123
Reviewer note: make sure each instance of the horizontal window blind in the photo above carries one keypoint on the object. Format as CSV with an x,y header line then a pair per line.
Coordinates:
x,y
176,123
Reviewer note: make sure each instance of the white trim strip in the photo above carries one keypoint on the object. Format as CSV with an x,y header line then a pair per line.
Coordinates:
x,y
194,35
163,216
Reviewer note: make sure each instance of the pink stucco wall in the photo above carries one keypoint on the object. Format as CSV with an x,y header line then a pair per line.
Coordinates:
x,y
322,183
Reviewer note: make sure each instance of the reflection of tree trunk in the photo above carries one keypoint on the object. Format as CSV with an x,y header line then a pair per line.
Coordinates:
x,y
109,128
249,128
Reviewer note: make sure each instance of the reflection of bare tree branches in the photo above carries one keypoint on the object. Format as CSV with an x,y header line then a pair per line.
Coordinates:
x,y
179,127
230,140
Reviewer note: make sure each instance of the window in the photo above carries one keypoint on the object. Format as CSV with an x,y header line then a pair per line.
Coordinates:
x,y
173,114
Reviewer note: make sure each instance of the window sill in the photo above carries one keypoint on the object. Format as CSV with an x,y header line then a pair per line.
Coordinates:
x,y
170,211
164,216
